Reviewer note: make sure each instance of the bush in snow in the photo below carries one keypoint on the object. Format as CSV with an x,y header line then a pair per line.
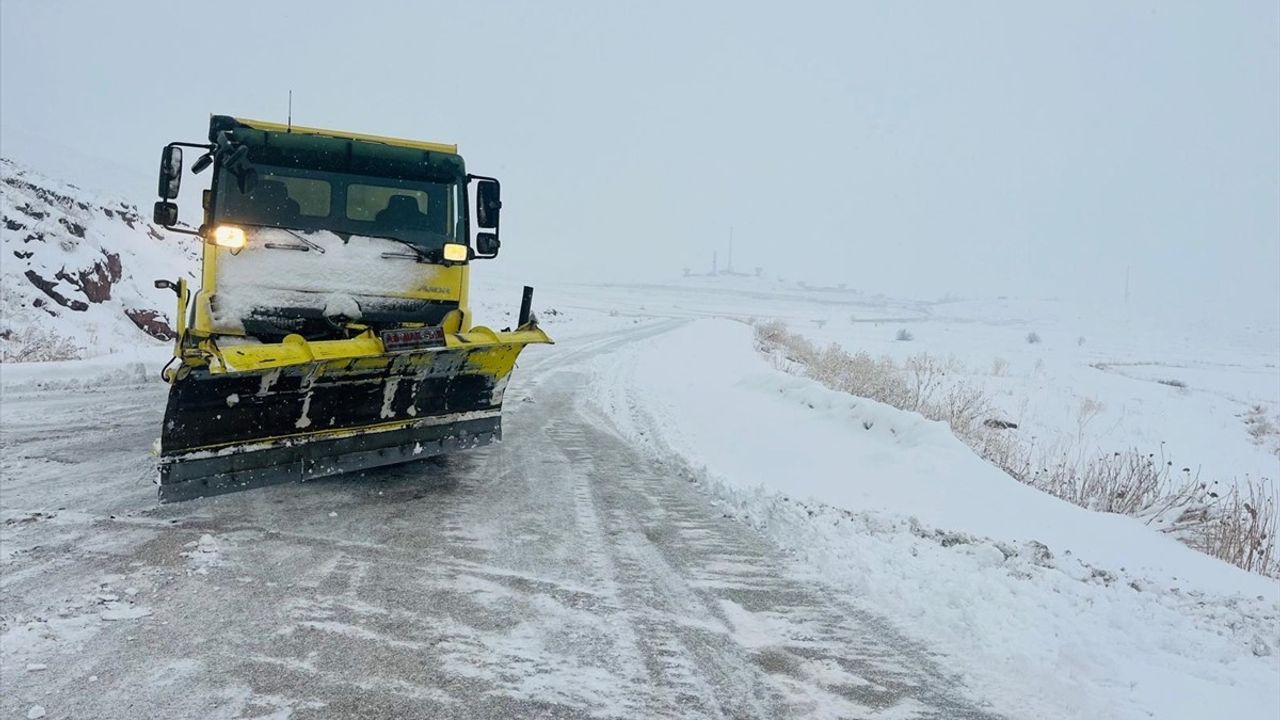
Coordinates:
x,y
1261,428
904,335
33,344
1033,338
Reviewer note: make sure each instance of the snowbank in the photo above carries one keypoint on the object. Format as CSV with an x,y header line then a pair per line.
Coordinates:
x,y
138,365
1107,617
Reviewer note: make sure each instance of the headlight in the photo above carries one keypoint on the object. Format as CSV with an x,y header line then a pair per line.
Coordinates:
x,y
229,236
456,252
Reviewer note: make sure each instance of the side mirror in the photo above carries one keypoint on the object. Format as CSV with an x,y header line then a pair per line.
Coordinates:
x,y
488,203
170,172
165,214
202,163
487,245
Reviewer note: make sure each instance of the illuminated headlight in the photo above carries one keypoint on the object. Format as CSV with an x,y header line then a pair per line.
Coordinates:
x,y
456,252
229,236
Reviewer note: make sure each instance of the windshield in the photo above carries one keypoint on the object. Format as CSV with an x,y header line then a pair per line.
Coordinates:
x,y
422,212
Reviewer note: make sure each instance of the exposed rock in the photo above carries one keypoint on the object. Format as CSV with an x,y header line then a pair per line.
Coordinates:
x,y
50,288
95,281
151,322
72,227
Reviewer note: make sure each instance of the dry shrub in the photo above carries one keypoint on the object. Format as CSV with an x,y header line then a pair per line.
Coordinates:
x,y
858,374
1128,483
1238,526
33,344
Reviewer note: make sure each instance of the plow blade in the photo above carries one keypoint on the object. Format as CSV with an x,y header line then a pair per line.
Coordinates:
x,y
233,430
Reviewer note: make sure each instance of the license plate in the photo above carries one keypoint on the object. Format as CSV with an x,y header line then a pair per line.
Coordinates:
x,y
408,338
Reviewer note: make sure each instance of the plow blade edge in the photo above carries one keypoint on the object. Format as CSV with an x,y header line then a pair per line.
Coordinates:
x,y
228,431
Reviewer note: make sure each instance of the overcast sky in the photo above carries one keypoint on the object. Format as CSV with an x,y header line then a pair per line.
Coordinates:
x,y
908,148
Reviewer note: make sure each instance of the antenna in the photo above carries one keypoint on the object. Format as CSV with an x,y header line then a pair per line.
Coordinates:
x,y
289,127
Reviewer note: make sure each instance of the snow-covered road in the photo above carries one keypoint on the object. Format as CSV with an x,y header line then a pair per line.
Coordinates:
x,y
562,573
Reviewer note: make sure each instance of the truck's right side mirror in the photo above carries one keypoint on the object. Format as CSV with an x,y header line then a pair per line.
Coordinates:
x,y
170,172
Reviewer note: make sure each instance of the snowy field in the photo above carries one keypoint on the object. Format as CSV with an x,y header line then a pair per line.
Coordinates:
x,y
673,528
897,511
1096,379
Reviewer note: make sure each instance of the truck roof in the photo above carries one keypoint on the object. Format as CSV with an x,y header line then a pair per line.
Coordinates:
x,y
344,135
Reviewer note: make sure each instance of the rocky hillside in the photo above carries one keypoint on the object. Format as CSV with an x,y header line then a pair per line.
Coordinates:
x,y
78,271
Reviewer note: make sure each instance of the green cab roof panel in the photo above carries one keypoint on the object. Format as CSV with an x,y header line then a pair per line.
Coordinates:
x,y
336,151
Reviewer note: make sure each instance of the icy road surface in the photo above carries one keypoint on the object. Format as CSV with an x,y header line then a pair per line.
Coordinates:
x,y
559,574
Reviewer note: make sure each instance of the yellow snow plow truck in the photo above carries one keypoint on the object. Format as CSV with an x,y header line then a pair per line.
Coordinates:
x,y
331,331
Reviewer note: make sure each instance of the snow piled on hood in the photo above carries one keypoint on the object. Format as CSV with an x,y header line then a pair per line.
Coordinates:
x,y
330,274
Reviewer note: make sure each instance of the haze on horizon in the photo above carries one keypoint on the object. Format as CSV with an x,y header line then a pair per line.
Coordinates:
x,y
915,149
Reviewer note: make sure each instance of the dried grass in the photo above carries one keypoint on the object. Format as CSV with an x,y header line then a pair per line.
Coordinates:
x,y
33,344
1238,525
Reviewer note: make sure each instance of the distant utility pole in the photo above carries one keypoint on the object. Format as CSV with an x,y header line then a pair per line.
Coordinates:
x,y
714,264
729,270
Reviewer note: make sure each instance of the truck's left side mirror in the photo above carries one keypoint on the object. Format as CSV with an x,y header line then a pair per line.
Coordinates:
x,y
488,203
170,172
165,214
487,245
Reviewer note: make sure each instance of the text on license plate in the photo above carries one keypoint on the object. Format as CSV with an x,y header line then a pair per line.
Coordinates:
x,y
406,338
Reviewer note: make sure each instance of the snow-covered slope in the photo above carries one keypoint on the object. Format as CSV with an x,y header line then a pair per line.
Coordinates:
x,y
79,270
1048,610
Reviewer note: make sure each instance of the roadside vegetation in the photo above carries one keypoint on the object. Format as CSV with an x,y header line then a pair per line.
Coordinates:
x,y
1235,521
33,344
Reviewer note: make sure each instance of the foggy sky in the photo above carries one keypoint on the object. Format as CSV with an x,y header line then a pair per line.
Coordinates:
x,y
908,148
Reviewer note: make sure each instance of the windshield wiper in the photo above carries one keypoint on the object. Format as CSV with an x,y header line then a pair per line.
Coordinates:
x,y
307,244
419,254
